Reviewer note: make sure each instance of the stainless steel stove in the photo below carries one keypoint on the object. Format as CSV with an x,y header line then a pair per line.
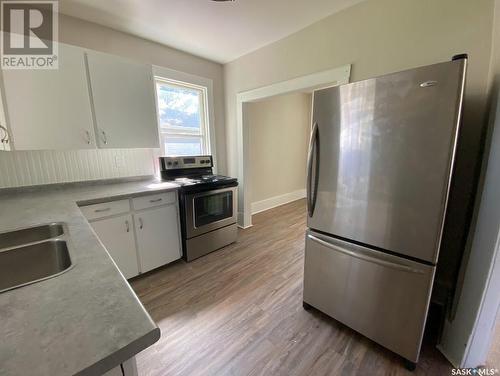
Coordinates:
x,y
208,204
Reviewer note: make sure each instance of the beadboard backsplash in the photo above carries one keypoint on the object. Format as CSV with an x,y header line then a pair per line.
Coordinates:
x,y
25,168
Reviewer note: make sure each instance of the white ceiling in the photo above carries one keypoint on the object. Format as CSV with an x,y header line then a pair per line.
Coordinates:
x,y
219,31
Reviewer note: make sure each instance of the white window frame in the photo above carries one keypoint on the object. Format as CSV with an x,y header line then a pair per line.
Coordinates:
x,y
182,132
172,74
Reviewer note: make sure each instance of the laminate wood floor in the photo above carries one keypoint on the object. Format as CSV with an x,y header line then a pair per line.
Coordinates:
x,y
238,311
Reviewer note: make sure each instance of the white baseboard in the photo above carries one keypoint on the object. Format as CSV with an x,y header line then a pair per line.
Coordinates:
x,y
272,202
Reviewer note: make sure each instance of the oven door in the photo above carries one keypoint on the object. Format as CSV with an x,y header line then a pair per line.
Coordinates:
x,y
210,210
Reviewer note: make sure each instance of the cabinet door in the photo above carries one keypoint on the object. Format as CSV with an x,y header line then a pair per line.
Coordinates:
x,y
157,236
117,235
50,109
124,102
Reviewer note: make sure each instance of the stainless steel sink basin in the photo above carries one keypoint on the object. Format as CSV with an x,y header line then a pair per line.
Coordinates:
x,y
31,263
30,235
33,254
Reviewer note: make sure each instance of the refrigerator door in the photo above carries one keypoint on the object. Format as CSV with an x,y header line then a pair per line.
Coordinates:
x,y
381,296
381,158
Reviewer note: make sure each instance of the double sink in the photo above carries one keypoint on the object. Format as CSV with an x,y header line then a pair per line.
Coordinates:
x,y
33,254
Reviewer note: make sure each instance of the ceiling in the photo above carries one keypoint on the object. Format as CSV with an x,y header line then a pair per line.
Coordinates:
x,y
219,31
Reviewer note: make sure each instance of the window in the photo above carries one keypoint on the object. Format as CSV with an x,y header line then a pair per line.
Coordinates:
x,y
183,120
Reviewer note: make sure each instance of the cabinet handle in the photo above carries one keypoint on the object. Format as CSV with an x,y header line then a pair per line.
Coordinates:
x,y
104,138
5,137
127,226
87,133
156,200
141,224
102,210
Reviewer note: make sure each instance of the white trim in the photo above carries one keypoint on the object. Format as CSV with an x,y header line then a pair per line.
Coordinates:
x,y
240,220
315,81
484,326
272,202
328,78
198,81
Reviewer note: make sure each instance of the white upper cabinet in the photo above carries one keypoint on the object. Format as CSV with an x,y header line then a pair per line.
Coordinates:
x,y
50,109
124,102
94,100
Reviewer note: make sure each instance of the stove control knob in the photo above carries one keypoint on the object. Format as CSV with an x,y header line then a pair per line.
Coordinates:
x,y
176,163
208,161
169,163
202,161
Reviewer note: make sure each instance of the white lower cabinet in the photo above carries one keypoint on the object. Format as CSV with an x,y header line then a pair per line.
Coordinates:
x,y
138,240
157,236
117,235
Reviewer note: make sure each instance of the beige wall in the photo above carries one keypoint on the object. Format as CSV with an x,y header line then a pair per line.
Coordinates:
x,y
279,133
377,37
495,55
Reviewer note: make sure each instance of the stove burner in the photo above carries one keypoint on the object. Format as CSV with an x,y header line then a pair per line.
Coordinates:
x,y
204,179
193,173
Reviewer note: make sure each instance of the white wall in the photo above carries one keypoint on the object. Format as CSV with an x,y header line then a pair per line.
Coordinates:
x,y
279,133
20,168
494,72
467,338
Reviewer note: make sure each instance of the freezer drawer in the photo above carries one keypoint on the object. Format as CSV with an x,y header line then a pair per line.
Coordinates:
x,y
381,296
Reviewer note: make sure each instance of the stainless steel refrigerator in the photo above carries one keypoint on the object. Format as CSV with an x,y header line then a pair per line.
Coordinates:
x,y
379,171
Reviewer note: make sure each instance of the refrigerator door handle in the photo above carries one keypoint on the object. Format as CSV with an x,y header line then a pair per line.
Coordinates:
x,y
358,255
312,190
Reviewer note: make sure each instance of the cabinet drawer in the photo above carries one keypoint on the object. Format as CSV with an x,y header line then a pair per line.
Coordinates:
x,y
381,296
150,201
105,209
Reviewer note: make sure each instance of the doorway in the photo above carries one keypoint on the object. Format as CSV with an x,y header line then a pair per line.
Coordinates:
x,y
332,77
278,129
